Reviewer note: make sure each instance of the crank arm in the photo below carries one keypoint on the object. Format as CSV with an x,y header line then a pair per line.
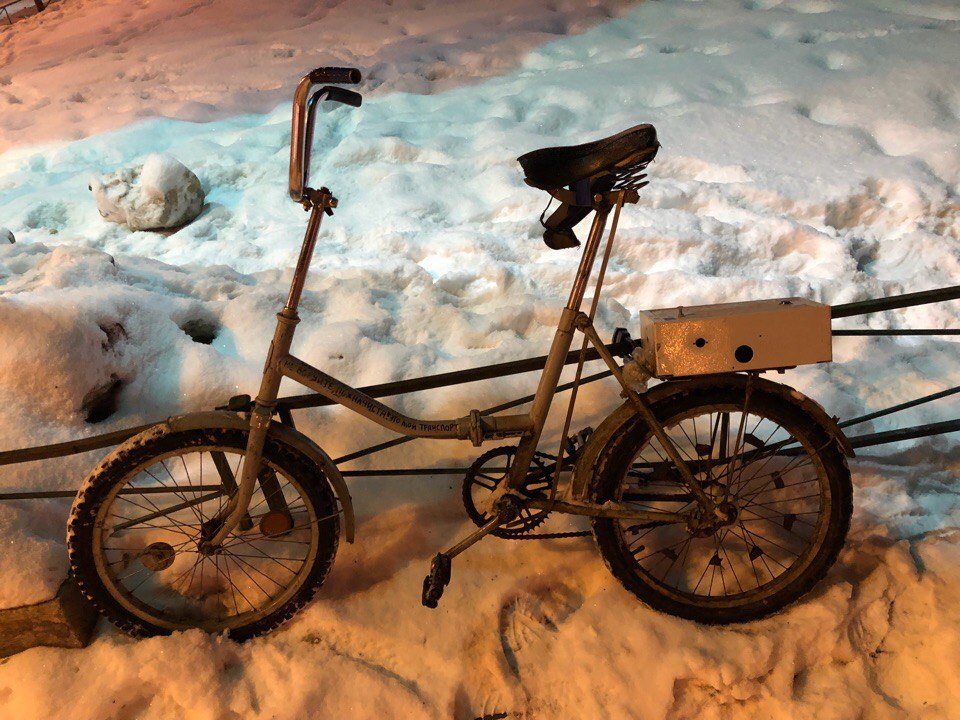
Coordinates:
x,y
475,537
440,569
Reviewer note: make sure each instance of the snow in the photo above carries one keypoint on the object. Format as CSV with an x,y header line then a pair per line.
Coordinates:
x,y
809,148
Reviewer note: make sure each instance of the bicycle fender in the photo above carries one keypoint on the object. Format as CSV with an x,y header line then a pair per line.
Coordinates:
x,y
583,470
280,433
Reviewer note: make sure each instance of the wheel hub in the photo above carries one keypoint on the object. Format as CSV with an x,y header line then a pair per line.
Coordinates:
x,y
704,524
207,531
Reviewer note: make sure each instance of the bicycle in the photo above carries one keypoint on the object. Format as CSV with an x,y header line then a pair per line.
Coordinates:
x,y
726,521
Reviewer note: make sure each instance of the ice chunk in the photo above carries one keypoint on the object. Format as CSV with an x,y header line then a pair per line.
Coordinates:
x,y
160,193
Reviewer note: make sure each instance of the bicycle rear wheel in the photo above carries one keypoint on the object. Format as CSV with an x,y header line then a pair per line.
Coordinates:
x,y
136,528
778,475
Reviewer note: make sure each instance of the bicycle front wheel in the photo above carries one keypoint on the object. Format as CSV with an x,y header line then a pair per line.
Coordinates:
x,y
136,530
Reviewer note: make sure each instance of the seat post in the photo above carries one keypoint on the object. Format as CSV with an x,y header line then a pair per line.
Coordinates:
x,y
589,255
562,340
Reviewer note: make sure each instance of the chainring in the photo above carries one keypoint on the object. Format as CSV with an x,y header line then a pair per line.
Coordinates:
x,y
493,468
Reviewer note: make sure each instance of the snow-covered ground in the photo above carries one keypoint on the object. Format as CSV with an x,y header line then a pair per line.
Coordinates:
x,y
809,148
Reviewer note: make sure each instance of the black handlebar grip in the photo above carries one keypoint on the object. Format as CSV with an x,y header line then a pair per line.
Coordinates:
x,y
338,75
342,95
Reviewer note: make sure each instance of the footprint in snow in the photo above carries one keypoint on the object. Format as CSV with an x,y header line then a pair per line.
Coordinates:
x,y
529,622
501,664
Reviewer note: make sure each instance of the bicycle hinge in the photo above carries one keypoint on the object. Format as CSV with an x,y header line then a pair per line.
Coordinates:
x,y
476,428
321,198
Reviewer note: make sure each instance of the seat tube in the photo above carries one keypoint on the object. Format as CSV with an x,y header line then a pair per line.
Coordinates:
x,y
562,341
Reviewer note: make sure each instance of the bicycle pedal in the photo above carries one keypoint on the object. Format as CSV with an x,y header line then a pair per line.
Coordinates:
x,y
437,580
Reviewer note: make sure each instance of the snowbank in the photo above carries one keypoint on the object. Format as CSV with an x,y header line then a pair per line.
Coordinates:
x,y
809,149
83,66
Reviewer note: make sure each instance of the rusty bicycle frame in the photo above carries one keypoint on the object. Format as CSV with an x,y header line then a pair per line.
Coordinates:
x,y
477,428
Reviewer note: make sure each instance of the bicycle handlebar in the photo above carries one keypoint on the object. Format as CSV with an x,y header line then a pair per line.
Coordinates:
x,y
336,75
342,95
303,114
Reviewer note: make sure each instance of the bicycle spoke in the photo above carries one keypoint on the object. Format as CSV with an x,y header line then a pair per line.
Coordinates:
x,y
730,562
240,567
190,482
166,512
250,538
159,513
660,551
267,557
785,523
763,555
683,556
685,548
702,576
764,538
735,483
175,485
234,588
258,571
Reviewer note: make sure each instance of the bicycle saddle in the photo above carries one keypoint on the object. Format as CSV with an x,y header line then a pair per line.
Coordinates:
x,y
614,163
557,167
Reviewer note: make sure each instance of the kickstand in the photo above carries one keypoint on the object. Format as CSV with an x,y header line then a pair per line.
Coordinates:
x,y
440,567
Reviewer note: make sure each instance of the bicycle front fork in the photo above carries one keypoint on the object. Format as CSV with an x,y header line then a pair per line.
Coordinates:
x,y
260,419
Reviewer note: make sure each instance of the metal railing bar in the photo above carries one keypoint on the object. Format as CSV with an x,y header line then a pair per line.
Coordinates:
x,y
430,382
864,307
46,494
910,433
859,441
902,406
71,447
285,405
934,331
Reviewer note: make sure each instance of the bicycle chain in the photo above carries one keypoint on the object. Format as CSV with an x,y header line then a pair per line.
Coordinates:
x,y
551,536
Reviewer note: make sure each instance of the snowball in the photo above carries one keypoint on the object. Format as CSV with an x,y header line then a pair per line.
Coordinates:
x,y
160,193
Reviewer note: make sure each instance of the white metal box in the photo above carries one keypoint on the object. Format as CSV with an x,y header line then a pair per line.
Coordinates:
x,y
756,335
